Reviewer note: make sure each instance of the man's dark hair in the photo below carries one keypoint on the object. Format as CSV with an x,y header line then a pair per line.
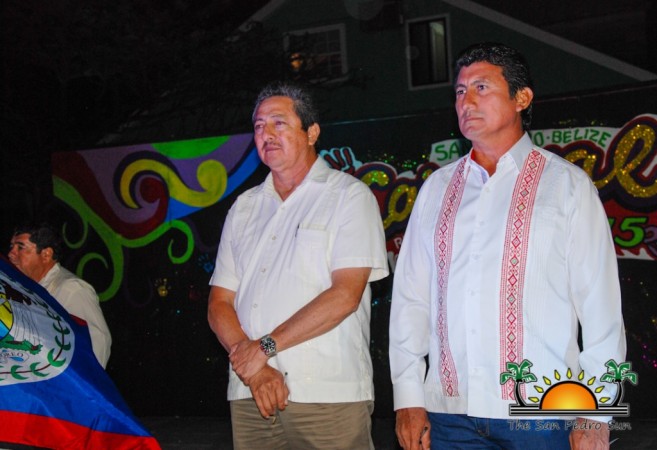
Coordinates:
x,y
514,69
304,106
43,235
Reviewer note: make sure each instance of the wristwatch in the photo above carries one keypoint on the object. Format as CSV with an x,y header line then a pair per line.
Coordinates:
x,y
268,346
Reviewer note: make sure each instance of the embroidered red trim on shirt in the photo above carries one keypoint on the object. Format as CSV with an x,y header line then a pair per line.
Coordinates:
x,y
443,252
514,264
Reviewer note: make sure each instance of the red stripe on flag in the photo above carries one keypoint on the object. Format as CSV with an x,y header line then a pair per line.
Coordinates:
x,y
53,433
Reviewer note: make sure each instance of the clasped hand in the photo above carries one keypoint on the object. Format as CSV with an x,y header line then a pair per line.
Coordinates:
x,y
247,359
266,383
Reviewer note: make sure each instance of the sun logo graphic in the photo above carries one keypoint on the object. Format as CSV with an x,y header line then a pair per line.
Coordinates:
x,y
568,396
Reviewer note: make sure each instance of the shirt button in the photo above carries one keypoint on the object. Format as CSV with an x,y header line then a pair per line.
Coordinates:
x,y
255,305
263,270
273,238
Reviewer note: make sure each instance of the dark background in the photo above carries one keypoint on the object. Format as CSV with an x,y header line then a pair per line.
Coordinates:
x,y
74,71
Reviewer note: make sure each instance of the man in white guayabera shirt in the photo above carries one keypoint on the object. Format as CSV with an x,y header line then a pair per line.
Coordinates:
x,y
506,251
35,249
290,299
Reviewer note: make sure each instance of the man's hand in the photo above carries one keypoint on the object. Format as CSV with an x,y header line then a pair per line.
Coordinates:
x,y
247,359
589,435
413,429
269,391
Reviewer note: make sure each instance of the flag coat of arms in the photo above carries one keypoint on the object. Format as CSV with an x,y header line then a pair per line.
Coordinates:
x,y
53,392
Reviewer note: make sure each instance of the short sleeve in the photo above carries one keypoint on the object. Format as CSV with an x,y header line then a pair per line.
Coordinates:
x,y
359,237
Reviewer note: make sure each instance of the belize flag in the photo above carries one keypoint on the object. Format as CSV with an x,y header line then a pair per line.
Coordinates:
x,y
53,392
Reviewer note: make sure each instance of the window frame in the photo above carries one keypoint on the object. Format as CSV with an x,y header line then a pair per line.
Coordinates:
x,y
341,28
448,52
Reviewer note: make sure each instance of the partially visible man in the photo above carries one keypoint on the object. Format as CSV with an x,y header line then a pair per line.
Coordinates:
x,y
35,250
290,299
507,250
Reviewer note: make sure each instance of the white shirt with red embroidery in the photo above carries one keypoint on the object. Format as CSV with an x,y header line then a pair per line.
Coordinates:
x,y
512,289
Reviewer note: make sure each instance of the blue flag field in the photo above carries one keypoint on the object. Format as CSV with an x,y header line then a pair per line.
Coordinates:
x,y
53,392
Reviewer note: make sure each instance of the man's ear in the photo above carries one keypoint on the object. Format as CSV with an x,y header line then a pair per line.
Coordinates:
x,y
313,133
524,98
46,254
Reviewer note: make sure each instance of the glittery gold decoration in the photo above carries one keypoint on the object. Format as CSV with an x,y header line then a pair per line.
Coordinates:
x,y
588,161
376,177
623,169
399,216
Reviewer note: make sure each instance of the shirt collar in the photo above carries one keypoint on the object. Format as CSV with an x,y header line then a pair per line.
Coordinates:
x,y
520,150
517,154
47,278
319,173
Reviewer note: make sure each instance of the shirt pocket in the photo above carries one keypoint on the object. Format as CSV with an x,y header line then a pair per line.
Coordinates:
x,y
549,222
548,245
310,260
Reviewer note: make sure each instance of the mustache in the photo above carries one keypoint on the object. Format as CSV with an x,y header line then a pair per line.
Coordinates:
x,y
271,146
468,116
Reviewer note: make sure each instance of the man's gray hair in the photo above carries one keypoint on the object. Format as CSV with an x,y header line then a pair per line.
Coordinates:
x,y
304,106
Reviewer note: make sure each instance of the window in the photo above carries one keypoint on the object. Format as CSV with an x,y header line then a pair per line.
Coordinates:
x,y
317,54
427,52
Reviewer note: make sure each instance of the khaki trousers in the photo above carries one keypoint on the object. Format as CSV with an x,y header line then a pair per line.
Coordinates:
x,y
303,426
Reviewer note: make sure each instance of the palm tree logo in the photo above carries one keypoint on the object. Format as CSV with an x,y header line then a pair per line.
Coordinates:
x,y
617,374
569,397
519,373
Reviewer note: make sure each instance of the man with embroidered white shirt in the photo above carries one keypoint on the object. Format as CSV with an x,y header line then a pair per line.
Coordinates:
x,y
290,299
507,250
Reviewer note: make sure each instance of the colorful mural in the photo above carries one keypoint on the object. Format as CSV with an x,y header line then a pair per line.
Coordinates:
x,y
142,224
132,196
623,166
621,162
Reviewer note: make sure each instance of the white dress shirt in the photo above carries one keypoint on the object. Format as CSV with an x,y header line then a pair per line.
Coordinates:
x,y
570,275
79,299
279,255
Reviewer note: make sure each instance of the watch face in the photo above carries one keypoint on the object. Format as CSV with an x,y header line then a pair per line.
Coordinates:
x,y
268,345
